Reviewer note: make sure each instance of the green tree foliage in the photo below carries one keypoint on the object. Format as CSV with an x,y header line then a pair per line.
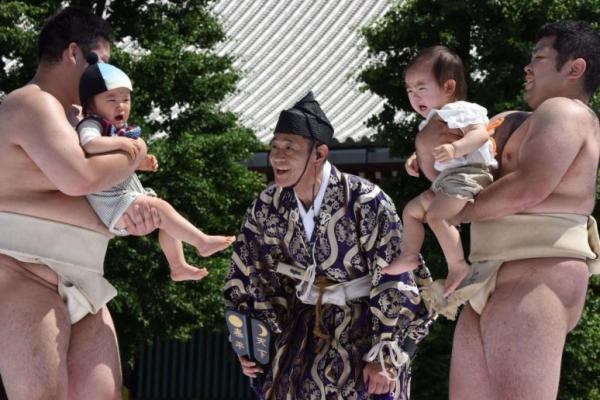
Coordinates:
x,y
494,39
172,65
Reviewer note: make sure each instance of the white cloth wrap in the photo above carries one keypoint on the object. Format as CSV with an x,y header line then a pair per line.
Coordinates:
x,y
303,288
75,254
338,294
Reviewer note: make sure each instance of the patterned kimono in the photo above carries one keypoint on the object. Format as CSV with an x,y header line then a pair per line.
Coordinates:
x,y
357,233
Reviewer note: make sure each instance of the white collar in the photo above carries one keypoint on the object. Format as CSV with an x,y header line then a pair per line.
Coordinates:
x,y
309,216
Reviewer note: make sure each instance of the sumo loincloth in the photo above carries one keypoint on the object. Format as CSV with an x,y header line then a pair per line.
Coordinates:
x,y
516,237
75,254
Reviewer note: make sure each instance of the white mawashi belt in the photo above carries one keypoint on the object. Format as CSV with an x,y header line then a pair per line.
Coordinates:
x,y
338,294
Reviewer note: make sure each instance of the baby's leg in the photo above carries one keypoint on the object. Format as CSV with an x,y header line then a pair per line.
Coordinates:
x,y
181,229
180,269
441,209
412,236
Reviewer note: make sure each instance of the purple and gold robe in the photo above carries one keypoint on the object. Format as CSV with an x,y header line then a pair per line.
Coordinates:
x,y
357,233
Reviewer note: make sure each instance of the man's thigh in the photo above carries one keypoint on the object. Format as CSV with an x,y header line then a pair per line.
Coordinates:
x,y
94,365
34,335
469,378
525,322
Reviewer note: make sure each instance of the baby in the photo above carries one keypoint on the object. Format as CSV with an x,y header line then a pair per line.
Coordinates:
x,y
105,94
459,161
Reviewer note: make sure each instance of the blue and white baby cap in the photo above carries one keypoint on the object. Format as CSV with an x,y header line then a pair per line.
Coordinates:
x,y
100,77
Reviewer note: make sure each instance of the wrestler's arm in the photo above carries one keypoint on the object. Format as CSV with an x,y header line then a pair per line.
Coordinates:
x,y
554,139
52,144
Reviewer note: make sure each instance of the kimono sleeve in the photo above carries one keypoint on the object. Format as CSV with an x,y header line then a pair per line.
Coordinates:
x,y
399,317
252,285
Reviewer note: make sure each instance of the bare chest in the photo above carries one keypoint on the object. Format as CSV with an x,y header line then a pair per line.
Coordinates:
x,y
510,152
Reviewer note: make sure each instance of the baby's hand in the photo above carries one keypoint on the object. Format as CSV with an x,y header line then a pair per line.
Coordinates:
x,y
150,163
444,153
130,146
411,165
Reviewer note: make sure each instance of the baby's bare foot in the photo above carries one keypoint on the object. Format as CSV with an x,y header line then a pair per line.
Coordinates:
x,y
456,273
213,244
404,263
186,272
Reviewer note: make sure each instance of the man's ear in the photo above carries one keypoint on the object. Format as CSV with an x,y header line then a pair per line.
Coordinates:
x,y
449,87
72,53
322,151
576,68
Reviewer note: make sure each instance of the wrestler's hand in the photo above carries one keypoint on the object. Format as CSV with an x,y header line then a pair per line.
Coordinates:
x,y
249,368
411,165
150,163
444,153
141,219
375,379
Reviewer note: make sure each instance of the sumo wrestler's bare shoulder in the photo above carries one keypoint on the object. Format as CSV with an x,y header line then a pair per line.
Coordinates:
x,y
27,112
570,116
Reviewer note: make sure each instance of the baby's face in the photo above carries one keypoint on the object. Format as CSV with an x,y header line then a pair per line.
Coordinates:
x,y
423,91
114,105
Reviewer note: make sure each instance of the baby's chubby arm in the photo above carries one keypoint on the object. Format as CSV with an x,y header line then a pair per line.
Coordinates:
x,y
106,144
474,137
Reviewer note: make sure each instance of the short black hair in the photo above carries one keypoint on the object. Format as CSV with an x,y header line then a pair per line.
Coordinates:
x,y
71,25
445,65
576,39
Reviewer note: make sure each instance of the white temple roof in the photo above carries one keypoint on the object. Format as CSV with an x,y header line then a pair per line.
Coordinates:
x,y
284,48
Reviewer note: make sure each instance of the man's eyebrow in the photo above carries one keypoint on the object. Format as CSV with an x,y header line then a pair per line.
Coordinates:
x,y
283,141
537,48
